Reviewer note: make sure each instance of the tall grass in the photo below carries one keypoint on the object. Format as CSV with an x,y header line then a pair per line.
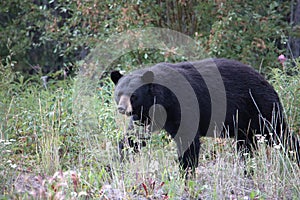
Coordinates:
x,y
49,141
61,143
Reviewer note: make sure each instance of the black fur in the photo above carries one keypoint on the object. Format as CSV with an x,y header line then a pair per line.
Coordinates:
x,y
251,104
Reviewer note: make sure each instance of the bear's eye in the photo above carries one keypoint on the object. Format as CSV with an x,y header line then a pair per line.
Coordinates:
x,y
119,94
133,97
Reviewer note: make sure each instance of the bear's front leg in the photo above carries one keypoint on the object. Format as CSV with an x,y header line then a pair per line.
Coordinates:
x,y
122,143
189,160
129,139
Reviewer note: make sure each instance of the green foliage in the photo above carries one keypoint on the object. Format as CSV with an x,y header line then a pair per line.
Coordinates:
x,y
47,36
248,33
287,82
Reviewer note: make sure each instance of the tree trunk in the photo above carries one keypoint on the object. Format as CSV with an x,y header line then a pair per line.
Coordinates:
x,y
295,38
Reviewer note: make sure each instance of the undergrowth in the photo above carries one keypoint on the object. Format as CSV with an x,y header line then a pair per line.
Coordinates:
x,y
58,143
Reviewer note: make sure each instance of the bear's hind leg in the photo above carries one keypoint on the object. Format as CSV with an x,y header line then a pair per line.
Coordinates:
x,y
189,160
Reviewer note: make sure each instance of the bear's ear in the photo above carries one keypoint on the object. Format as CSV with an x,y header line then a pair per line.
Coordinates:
x,y
115,76
148,77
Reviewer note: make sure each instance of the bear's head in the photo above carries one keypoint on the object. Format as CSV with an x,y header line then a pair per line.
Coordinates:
x,y
134,93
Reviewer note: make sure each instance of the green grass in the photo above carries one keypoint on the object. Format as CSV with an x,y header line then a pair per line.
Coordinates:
x,y
62,143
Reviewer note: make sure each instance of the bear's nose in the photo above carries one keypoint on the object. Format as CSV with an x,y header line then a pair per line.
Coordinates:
x,y
121,109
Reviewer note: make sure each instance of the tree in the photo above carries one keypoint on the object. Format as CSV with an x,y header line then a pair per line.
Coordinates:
x,y
295,35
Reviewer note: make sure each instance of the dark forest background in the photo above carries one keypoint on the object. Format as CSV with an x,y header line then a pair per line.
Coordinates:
x,y
48,36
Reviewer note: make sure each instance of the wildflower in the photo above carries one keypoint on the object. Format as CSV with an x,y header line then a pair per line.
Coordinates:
x,y
281,58
7,143
13,166
276,146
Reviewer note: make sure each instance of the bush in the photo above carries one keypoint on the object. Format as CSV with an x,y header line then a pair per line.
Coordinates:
x,y
246,32
49,36
287,82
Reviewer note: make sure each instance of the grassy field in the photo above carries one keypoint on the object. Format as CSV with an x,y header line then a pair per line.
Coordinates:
x,y
58,143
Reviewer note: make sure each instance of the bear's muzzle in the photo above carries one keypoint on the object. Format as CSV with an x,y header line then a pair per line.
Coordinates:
x,y
124,105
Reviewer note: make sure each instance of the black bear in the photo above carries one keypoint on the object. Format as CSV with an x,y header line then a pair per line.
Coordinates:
x,y
202,98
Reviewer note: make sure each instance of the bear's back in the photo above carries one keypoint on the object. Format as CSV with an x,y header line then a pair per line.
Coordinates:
x,y
247,92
